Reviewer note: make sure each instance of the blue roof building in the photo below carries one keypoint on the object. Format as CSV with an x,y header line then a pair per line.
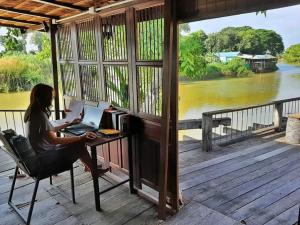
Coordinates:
x,y
226,56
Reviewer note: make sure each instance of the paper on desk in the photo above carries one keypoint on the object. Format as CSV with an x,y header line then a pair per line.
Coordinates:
x,y
75,108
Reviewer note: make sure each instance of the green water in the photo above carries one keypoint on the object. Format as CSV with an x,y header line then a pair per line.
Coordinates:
x,y
201,96
198,97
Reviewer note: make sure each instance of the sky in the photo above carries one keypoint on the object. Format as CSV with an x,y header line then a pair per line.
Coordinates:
x,y
285,21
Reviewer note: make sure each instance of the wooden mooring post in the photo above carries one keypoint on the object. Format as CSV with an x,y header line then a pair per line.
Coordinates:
x,y
207,124
278,116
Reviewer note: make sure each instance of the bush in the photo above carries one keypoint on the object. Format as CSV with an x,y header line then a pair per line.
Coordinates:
x,y
236,68
21,72
292,54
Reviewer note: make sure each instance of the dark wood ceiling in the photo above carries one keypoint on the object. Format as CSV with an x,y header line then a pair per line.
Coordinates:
x,y
30,14
193,10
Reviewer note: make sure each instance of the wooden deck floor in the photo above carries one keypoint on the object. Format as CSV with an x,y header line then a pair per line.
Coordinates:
x,y
252,182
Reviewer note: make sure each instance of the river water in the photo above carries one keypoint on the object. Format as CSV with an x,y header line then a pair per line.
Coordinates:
x,y
201,96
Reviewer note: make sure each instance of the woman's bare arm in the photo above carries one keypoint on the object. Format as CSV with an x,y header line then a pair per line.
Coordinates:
x,y
53,139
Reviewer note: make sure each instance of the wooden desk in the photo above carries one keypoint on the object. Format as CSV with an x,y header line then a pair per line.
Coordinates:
x,y
93,144
101,140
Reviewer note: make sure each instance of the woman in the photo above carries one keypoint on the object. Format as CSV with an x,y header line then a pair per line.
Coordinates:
x,y
42,135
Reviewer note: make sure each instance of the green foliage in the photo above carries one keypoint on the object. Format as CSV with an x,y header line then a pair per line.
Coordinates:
x,y
13,41
184,27
235,68
292,54
42,41
191,56
245,39
120,88
21,72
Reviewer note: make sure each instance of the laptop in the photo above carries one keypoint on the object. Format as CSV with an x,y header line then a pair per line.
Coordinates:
x,y
91,121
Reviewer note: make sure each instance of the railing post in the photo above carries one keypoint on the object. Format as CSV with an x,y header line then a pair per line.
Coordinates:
x,y
278,116
207,132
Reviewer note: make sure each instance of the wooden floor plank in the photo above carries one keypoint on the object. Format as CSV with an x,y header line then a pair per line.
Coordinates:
x,y
288,217
274,210
197,214
228,196
229,181
197,178
266,200
215,161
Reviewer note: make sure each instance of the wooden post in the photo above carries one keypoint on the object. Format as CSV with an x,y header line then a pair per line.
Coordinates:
x,y
207,132
166,96
53,29
277,119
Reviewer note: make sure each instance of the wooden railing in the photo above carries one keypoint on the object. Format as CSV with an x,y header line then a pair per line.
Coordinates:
x,y
245,121
14,119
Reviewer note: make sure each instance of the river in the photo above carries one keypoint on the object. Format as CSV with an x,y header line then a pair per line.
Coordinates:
x,y
201,96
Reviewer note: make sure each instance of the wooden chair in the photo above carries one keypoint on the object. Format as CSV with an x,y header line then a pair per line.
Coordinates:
x,y
27,160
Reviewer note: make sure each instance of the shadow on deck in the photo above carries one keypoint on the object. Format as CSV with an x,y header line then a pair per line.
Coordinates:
x,y
256,181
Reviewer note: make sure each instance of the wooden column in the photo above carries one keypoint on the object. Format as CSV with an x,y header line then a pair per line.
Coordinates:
x,y
277,120
53,30
166,96
207,125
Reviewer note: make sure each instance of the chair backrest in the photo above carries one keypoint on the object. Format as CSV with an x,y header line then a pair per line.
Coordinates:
x,y
6,146
20,149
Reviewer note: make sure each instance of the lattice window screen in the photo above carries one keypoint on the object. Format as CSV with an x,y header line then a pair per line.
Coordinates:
x,y
86,40
68,79
89,82
150,30
114,38
149,89
64,43
116,79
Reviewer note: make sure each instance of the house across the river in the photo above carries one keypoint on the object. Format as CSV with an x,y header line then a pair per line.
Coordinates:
x,y
258,63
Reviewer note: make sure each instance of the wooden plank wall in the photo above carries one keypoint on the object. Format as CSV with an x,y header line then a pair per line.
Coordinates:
x,y
208,9
119,58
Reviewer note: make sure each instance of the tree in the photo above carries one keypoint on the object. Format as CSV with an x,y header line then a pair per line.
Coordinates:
x,y
271,41
292,54
191,56
184,27
13,41
250,43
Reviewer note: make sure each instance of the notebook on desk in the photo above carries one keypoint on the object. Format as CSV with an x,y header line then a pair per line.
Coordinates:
x,y
91,120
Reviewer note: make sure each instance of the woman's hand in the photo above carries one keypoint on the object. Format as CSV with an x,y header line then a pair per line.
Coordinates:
x,y
75,121
88,136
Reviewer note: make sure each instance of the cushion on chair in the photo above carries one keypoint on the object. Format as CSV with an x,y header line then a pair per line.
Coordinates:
x,y
26,154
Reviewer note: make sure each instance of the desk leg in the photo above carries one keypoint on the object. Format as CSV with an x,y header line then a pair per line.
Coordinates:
x,y
130,165
95,179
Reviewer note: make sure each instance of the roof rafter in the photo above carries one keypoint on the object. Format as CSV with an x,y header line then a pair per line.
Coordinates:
x,y
28,13
62,4
12,26
18,20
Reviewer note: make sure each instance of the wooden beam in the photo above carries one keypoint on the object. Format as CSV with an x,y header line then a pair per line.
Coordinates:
x,y
53,30
169,14
12,26
18,20
194,10
28,13
62,5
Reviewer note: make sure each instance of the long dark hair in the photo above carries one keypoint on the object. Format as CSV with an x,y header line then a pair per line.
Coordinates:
x,y
40,101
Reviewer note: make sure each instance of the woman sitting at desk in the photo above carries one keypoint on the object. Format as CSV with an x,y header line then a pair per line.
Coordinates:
x,y
42,135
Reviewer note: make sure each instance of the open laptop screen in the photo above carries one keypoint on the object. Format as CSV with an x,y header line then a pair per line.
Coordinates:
x,y
92,116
